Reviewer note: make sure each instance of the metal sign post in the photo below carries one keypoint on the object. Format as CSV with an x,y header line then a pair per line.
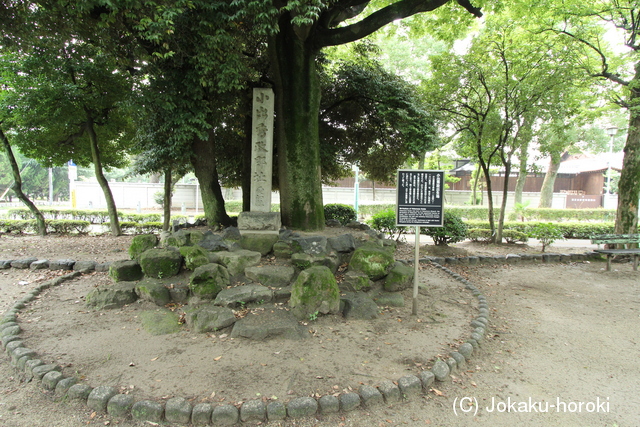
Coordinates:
x,y
420,197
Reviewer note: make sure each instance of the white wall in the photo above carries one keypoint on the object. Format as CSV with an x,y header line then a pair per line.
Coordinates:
x,y
128,195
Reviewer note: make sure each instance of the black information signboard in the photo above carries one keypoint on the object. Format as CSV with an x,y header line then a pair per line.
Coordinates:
x,y
420,198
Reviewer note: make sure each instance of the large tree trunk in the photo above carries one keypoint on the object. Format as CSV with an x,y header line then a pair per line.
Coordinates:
x,y
102,181
503,206
487,177
522,175
629,184
546,192
297,106
166,206
17,186
205,167
246,155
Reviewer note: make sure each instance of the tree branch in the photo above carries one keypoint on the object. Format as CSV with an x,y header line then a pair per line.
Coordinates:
x,y
397,10
603,59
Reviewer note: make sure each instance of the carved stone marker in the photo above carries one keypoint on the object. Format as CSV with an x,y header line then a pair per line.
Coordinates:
x,y
260,223
262,150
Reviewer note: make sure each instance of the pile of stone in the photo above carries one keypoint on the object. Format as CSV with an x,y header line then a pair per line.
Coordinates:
x,y
316,275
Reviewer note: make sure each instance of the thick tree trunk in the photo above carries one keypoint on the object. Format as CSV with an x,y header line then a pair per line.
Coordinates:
x,y
487,176
503,206
522,175
297,105
246,155
204,165
102,181
166,206
17,186
629,184
546,192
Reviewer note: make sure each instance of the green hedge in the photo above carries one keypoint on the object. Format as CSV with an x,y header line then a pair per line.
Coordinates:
x,y
93,216
55,226
570,230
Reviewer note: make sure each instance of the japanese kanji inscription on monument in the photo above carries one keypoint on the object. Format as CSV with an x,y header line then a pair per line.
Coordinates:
x,y
262,150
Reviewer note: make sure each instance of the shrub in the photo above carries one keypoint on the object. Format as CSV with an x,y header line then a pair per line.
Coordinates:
x,y
546,233
453,230
68,226
514,236
385,222
479,234
340,212
17,226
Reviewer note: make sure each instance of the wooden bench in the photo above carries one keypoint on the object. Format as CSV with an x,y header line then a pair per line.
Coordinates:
x,y
624,240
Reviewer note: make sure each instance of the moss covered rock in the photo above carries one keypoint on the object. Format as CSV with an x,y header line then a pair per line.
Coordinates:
x,y
209,317
194,256
125,271
114,296
208,280
142,243
152,290
259,242
160,322
237,261
373,261
161,263
400,277
314,291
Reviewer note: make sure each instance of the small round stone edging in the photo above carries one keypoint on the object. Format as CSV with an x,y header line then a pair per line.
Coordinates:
x,y
177,409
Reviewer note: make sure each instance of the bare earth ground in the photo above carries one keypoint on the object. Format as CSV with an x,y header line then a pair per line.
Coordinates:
x,y
560,335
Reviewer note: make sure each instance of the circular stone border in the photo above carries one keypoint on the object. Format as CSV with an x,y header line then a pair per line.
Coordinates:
x,y
177,409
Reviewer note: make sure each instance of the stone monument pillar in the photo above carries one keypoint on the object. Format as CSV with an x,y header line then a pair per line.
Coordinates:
x,y
260,227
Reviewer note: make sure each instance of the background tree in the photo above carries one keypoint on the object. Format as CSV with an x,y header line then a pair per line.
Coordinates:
x,y
586,24
510,79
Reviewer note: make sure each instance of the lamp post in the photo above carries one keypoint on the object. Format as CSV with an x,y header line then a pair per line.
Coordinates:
x,y
611,131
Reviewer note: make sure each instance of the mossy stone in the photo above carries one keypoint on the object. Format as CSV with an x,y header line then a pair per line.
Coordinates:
x,y
375,262
161,263
150,289
400,277
142,243
209,279
125,271
315,291
194,256
160,322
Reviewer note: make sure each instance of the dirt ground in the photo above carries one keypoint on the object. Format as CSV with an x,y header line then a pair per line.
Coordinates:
x,y
561,338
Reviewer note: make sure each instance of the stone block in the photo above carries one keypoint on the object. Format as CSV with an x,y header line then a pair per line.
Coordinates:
x,y
302,407
441,370
409,386
125,271
259,221
370,396
62,264
62,387
114,296
99,397
426,378
276,411
79,392
201,414
349,401
120,405
51,379
253,410
390,392
146,410
329,404
177,410
161,263
225,415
